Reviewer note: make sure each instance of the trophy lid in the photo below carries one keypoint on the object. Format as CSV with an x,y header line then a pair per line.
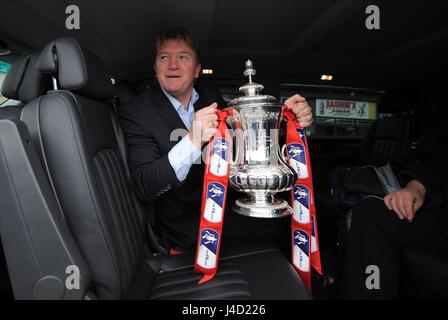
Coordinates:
x,y
251,90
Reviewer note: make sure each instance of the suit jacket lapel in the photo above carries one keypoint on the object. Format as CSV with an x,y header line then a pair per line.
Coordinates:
x,y
169,114
167,111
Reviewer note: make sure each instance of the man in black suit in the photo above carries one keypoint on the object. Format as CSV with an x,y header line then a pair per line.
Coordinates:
x,y
166,127
380,228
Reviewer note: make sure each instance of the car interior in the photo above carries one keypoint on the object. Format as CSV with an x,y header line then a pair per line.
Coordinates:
x,y
66,196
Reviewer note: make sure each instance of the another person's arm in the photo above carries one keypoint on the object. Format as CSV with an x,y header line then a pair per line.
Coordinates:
x,y
426,178
405,202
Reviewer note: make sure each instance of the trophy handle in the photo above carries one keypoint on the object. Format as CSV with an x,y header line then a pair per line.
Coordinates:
x,y
237,154
283,154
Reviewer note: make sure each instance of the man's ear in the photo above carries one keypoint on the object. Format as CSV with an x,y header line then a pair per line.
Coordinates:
x,y
198,69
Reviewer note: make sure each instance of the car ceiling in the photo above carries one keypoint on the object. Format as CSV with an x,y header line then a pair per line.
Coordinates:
x,y
289,41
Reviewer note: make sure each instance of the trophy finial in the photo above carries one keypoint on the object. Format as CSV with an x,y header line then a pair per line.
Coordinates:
x,y
250,88
250,71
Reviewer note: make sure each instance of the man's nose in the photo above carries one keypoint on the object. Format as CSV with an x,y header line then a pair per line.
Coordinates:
x,y
173,63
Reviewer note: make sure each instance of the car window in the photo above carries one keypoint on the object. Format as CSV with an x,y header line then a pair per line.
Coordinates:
x,y
4,68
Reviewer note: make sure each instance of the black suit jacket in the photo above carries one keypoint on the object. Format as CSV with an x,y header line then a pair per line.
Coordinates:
x,y
147,122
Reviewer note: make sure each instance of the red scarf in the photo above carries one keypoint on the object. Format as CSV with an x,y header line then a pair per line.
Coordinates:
x,y
216,178
304,236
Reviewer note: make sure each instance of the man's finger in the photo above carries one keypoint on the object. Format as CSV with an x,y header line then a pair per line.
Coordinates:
x,y
395,208
209,132
387,202
211,117
408,208
210,109
303,111
293,100
401,206
296,98
305,124
307,118
205,120
299,105
202,120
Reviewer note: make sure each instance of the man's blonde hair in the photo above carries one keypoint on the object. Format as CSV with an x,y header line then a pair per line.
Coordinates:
x,y
176,33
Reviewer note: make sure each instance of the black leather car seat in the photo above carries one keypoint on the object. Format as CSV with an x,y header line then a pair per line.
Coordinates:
x,y
22,83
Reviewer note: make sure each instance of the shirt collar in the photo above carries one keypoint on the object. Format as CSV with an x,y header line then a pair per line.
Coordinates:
x,y
177,105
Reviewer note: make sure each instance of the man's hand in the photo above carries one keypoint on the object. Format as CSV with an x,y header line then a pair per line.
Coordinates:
x,y
301,109
204,125
407,201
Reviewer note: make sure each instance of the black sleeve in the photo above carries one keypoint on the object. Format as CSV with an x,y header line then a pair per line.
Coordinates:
x,y
432,173
151,173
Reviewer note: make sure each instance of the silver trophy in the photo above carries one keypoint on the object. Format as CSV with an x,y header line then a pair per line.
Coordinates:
x,y
258,168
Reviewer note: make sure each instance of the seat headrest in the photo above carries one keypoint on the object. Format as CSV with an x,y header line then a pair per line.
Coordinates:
x,y
76,68
24,82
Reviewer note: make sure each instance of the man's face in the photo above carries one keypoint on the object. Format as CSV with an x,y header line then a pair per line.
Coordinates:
x,y
176,68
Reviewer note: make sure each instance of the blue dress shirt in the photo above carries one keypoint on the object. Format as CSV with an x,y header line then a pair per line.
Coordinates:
x,y
185,152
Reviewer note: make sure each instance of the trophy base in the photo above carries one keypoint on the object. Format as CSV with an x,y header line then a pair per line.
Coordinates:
x,y
275,209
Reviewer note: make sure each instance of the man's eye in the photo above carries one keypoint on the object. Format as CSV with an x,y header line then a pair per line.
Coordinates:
x,y
183,57
163,57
